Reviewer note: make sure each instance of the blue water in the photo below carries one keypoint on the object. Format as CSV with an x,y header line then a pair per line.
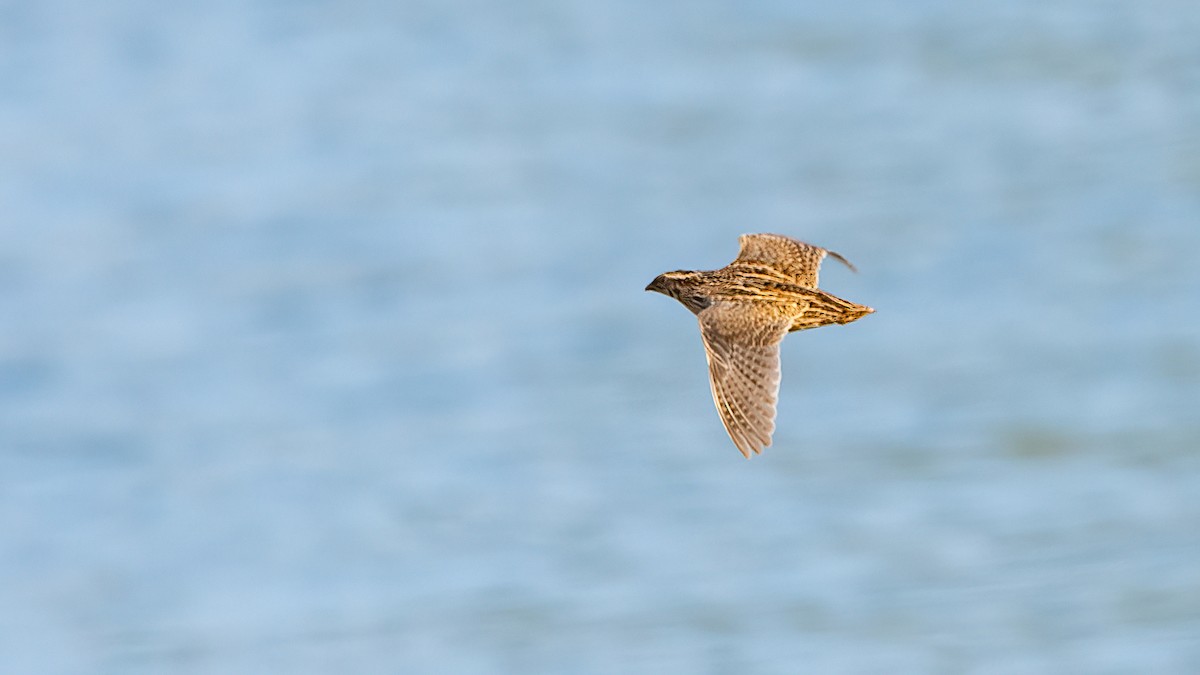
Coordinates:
x,y
326,348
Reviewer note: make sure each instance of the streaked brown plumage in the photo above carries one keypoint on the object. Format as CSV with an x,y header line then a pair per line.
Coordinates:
x,y
745,309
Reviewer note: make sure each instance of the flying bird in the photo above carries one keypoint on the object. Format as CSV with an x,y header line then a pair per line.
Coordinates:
x,y
745,309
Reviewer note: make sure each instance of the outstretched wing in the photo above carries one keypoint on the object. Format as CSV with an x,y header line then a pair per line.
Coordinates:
x,y
790,256
743,368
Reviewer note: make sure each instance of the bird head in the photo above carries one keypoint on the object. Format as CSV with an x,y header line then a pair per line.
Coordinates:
x,y
684,286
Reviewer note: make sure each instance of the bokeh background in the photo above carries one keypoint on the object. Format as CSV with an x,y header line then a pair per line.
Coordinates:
x,y
325,347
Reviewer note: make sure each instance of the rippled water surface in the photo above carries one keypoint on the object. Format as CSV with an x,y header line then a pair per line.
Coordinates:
x,y
326,348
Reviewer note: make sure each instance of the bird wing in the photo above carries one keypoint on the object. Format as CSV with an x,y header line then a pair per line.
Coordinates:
x,y
742,348
794,258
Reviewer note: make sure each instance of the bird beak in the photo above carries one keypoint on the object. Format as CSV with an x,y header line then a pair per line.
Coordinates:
x,y
655,285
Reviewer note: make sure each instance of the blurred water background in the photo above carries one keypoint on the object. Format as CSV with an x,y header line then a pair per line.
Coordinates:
x,y
325,347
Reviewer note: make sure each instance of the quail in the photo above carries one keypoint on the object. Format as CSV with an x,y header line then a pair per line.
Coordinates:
x,y
745,309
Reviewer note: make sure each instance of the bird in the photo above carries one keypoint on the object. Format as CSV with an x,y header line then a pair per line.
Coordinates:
x,y
745,309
